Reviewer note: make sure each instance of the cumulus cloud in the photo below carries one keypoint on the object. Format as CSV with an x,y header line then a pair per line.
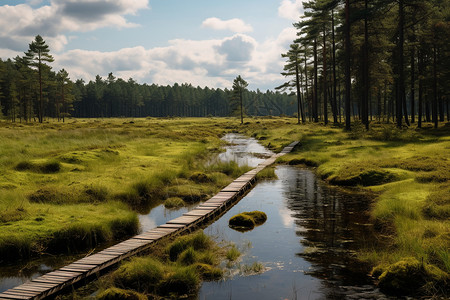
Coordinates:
x,y
213,63
291,10
238,48
234,25
22,22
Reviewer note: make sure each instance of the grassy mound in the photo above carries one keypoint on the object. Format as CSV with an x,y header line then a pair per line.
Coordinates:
x,y
119,294
174,202
409,276
176,272
47,167
247,220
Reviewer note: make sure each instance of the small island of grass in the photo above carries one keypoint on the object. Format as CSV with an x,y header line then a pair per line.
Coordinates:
x,y
247,220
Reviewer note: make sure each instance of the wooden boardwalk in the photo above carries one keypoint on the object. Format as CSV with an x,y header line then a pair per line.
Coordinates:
x,y
55,281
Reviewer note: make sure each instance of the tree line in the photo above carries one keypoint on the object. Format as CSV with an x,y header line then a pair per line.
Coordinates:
x,y
372,60
31,91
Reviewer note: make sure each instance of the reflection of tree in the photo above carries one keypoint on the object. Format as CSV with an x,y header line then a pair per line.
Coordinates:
x,y
332,224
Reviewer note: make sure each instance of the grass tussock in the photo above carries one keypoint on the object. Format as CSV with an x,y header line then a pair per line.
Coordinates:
x,y
177,272
247,220
120,294
174,202
47,167
410,277
267,174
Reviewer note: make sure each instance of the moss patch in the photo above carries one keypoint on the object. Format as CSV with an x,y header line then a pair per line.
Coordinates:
x,y
409,276
247,220
174,202
120,294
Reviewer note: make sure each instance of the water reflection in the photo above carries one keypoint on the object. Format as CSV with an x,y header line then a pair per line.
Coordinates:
x,y
243,150
307,243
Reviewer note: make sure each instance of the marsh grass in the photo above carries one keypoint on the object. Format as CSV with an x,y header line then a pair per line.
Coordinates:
x,y
84,162
176,271
408,171
406,168
267,174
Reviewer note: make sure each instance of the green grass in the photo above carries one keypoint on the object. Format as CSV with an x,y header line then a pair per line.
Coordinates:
x,y
408,171
95,163
173,272
101,162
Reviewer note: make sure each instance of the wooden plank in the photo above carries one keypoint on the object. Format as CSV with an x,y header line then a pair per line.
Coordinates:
x,y
177,226
199,213
32,283
21,293
210,204
14,296
184,220
34,288
167,230
63,273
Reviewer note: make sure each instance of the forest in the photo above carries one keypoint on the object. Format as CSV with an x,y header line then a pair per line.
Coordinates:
x,y
30,91
374,60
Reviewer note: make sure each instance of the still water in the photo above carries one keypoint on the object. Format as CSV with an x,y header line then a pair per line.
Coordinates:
x,y
306,245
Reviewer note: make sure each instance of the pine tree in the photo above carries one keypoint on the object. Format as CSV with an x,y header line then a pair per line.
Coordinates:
x,y
293,68
38,54
239,86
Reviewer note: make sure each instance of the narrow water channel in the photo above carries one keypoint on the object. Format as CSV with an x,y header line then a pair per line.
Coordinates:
x,y
306,245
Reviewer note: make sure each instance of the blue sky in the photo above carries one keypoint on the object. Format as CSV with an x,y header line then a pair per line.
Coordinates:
x,y
202,42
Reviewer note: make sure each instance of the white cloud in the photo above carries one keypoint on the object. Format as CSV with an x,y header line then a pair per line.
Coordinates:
x,y
22,22
234,25
212,62
291,10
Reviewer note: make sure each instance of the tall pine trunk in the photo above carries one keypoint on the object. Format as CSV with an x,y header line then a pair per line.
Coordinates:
x,y
324,76
315,98
347,66
335,111
401,77
413,79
